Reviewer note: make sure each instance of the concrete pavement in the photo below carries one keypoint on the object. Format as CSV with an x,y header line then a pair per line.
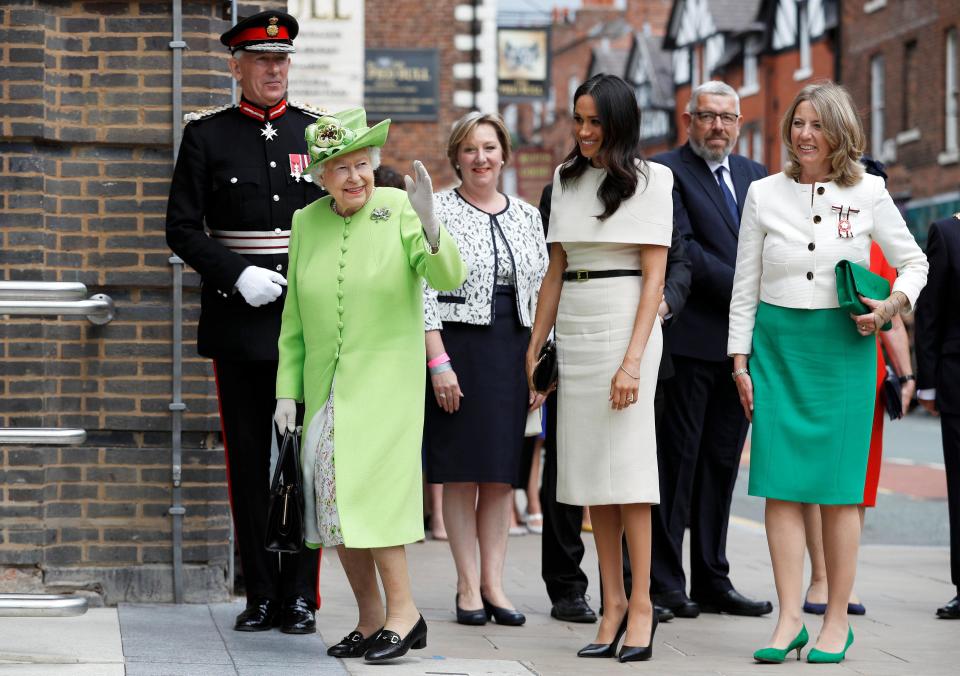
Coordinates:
x,y
901,587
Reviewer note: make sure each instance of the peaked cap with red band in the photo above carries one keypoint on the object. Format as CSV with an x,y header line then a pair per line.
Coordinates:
x,y
263,32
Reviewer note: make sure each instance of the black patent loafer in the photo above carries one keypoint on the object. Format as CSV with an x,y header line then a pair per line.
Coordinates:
x,y
474,618
259,615
733,602
663,614
297,617
573,609
352,645
387,645
506,616
951,611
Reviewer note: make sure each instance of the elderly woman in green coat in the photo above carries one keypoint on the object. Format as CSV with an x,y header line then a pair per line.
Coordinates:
x,y
351,349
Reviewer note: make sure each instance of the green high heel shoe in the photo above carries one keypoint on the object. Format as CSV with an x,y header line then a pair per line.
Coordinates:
x,y
778,655
820,657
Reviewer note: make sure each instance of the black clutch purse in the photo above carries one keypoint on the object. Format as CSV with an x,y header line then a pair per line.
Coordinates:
x,y
285,514
892,395
545,372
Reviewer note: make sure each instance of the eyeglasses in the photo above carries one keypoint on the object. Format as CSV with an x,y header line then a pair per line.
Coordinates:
x,y
707,117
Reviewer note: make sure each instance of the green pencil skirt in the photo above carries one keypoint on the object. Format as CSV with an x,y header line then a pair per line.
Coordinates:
x,y
814,382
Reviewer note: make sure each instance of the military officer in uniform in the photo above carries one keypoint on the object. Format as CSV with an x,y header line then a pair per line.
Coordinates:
x,y
238,180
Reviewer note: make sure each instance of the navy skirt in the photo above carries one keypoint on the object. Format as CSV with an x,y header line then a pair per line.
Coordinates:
x,y
483,441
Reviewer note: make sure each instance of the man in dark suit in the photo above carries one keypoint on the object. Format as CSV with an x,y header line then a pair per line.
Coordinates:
x,y
237,182
562,548
701,434
938,370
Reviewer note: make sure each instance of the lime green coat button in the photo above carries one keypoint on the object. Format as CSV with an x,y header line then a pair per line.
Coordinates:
x,y
340,277
340,325
339,294
343,263
339,341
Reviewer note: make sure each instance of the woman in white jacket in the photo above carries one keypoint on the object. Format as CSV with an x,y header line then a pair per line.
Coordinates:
x,y
810,384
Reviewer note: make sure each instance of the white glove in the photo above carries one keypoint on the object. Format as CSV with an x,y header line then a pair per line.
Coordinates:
x,y
260,286
420,194
286,415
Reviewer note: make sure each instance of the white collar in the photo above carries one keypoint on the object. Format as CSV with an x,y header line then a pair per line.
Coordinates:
x,y
725,164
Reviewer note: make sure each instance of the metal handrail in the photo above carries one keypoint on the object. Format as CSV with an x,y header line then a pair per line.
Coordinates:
x,y
42,605
42,291
55,299
51,436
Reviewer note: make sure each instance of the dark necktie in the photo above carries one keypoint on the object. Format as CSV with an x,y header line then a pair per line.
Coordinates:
x,y
728,196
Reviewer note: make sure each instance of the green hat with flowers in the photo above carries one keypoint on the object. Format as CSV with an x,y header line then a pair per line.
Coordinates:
x,y
341,133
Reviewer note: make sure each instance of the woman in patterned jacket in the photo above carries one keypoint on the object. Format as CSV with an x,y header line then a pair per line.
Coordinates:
x,y
476,339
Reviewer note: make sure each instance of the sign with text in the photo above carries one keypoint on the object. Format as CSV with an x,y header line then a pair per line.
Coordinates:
x,y
402,84
534,167
523,64
327,69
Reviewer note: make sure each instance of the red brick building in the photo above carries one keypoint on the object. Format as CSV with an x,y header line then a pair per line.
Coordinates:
x,y
86,132
901,62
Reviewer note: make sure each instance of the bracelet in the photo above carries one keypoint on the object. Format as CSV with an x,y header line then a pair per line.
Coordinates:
x,y
445,366
628,373
739,372
439,359
905,377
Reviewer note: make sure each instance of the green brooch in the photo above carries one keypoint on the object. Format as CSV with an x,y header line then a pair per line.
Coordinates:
x,y
380,214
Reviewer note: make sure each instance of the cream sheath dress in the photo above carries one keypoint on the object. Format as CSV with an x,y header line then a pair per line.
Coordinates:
x,y
606,456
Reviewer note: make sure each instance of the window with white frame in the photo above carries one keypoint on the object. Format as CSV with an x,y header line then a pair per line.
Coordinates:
x,y
803,41
572,85
757,145
952,93
751,84
876,106
695,66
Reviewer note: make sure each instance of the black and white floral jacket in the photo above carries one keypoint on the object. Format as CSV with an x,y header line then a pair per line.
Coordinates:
x,y
474,231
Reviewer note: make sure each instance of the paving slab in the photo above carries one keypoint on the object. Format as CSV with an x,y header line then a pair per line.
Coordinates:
x,y
85,644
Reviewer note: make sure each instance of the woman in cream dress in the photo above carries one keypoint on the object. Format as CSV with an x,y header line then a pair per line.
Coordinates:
x,y
611,226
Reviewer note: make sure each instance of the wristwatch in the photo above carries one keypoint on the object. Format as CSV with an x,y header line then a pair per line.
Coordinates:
x,y
905,377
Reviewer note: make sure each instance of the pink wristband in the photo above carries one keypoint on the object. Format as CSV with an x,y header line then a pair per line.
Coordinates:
x,y
436,361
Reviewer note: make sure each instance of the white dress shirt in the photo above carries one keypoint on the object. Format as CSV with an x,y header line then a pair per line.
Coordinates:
x,y
790,242
727,176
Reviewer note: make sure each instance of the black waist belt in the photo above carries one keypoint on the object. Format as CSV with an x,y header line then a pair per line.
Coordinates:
x,y
584,275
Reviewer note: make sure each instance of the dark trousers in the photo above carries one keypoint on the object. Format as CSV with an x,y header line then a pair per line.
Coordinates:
x,y
950,429
245,391
561,547
699,440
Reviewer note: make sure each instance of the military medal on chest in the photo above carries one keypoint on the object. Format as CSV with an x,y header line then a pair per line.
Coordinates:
x,y
844,229
297,164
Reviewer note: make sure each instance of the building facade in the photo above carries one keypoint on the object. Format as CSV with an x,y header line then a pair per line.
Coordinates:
x,y
86,155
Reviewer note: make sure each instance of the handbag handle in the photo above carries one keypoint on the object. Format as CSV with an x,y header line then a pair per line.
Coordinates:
x,y
287,446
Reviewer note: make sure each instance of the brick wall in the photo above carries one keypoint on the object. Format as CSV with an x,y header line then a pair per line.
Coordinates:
x,y
916,171
85,141
406,24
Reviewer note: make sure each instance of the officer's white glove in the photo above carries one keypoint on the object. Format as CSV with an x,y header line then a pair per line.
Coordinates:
x,y
286,415
420,194
260,286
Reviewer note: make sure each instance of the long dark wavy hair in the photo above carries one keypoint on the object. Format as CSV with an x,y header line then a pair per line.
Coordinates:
x,y
619,152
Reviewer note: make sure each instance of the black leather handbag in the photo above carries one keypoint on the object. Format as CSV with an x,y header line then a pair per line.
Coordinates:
x,y
892,395
285,515
545,372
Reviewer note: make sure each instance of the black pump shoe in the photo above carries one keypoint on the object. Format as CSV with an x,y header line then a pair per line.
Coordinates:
x,y
605,649
475,618
388,645
639,654
505,616
352,645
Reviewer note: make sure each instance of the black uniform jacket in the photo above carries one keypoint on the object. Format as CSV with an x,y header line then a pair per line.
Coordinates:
x,y
232,186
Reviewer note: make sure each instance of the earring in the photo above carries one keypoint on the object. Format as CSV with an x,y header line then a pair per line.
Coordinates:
x,y
502,162
458,167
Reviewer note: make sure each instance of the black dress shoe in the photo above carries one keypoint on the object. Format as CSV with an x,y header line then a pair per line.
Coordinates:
x,y
387,645
352,645
951,611
677,603
259,615
475,618
298,617
605,649
573,609
629,653
733,602
663,614
506,616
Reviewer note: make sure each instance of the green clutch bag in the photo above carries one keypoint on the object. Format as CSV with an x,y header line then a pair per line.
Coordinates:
x,y
853,279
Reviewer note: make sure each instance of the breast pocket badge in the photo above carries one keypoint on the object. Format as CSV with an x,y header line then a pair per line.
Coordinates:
x,y
844,229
